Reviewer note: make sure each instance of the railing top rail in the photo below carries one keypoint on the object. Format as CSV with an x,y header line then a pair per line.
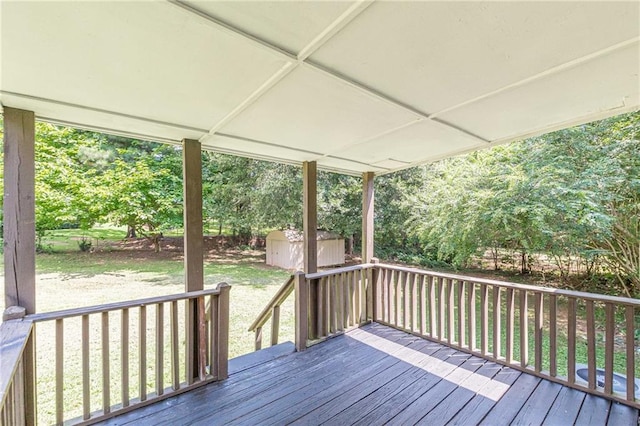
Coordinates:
x,y
330,272
281,295
13,338
67,313
558,292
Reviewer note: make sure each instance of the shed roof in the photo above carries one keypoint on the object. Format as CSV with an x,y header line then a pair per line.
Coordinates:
x,y
354,85
294,235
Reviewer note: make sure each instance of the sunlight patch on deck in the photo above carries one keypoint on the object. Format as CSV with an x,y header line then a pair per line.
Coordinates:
x,y
474,382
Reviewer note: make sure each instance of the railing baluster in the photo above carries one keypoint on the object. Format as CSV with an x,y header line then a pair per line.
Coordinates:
x,y
339,302
553,332
59,371
414,302
327,304
333,306
571,340
370,294
630,343
591,344
106,374
124,357
202,339
346,299
497,316
406,296
142,351
320,306
510,321
433,309
275,325
461,313
608,348
471,305
441,311
213,336
86,382
175,355
539,318
160,348
524,329
484,319
423,303
357,285
450,311
398,298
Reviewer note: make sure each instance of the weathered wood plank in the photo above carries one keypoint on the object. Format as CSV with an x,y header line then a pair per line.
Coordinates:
x,y
261,390
512,401
478,407
368,376
566,407
537,406
620,414
594,411
435,395
387,410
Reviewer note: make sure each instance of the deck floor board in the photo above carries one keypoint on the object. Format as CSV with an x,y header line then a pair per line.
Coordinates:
x,y
378,375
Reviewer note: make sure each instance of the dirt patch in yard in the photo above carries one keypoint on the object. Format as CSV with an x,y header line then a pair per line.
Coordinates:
x,y
218,249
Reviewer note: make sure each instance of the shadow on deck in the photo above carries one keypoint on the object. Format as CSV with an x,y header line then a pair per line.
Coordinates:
x,y
377,375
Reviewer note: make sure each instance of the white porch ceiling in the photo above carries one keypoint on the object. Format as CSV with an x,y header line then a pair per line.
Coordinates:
x,y
356,86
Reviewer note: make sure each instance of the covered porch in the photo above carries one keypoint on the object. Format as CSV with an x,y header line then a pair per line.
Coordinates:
x,y
363,88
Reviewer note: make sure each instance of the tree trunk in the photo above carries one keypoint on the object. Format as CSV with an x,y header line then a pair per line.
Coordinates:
x,y
350,245
523,262
131,231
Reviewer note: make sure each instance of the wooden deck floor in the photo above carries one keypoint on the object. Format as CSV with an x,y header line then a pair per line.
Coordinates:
x,y
378,375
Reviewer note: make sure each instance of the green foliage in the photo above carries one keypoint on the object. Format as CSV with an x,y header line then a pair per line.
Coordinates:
x,y
572,196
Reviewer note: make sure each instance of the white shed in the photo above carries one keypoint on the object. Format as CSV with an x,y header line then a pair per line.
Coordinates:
x,y
285,249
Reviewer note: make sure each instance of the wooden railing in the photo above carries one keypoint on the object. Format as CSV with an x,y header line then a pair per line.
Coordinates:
x,y
90,367
272,312
333,302
547,332
15,338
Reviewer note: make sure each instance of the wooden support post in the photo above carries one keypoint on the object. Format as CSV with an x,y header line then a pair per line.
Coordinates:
x,y
367,216
302,311
310,235
19,209
310,216
193,242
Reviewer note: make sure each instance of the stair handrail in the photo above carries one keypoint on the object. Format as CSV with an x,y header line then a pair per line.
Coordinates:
x,y
272,311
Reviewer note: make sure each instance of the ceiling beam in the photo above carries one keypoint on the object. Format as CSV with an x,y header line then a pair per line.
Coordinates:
x,y
102,111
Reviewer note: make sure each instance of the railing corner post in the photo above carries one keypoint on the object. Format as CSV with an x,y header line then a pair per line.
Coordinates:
x,y
301,311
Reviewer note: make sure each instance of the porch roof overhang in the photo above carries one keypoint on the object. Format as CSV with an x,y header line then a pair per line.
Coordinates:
x,y
356,86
